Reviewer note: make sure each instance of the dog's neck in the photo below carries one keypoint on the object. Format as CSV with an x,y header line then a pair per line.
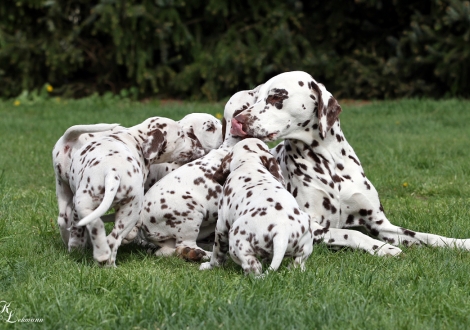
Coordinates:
x,y
313,141
230,141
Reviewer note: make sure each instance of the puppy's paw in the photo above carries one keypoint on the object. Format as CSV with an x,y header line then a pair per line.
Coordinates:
x,y
190,254
131,236
205,266
207,256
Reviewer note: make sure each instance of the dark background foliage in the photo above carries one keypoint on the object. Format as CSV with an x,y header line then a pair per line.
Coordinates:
x,y
210,49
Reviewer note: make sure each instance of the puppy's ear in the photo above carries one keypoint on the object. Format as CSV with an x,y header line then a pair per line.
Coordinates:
x,y
328,110
220,176
193,137
273,167
154,145
224,128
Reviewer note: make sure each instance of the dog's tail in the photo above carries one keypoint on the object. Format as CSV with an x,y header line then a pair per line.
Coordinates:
x,y
280,242
111,185
73,132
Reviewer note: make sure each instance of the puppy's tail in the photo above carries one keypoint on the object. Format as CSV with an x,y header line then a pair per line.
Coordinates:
x,y
111,185
73,132
280,242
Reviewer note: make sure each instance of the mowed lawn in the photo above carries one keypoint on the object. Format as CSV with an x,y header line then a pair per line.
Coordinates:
x,y
415,152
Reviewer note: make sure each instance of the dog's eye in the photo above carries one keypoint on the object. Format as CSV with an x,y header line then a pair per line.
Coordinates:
x,y
211,128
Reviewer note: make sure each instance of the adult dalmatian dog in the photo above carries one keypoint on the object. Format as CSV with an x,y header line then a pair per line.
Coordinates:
x,y
257,216
321,169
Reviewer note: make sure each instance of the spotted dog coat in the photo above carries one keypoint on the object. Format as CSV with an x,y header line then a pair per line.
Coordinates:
x,y
111,171
181,208
257,216
72,140
205,127
320,167
202,127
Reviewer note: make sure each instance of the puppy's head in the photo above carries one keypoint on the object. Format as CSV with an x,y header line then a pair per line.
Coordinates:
x,y
204,128
167,142
239,102
252,151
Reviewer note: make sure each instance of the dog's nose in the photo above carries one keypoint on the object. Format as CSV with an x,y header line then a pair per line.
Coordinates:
x,y
240,118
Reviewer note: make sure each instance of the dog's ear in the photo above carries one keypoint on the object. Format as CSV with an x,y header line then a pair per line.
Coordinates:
x,y
193,137
154,145
273,167
328,110
224,128
220,176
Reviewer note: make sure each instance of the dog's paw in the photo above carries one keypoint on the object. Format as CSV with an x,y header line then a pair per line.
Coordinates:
x,y
164,251
208,255
190,254
205,266
387,250
131,236
102,255
76,245
107,264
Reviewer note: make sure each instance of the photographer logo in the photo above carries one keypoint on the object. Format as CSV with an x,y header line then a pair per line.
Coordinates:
x,y
7,315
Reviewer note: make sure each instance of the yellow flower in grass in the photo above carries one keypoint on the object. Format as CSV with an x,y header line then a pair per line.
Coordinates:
x,y
218,115
16,103
49,88
405,184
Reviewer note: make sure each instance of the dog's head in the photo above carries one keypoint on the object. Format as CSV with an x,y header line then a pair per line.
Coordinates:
x,y
291,105
239,102
166,141
203,127
250,150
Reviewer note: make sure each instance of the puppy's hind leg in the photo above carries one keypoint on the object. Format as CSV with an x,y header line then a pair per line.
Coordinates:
x,y
97,232
280,242
64,202
186,246
167,248
78,236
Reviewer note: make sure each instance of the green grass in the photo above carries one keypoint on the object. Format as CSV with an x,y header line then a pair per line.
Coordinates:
x,y
422,143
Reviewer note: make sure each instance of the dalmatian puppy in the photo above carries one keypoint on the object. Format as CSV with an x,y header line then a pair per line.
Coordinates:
x,y
181,208
321,169
111,171
257,216
204,127
72,140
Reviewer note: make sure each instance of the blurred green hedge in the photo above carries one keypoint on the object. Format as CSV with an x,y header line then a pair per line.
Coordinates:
x,y
210,49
